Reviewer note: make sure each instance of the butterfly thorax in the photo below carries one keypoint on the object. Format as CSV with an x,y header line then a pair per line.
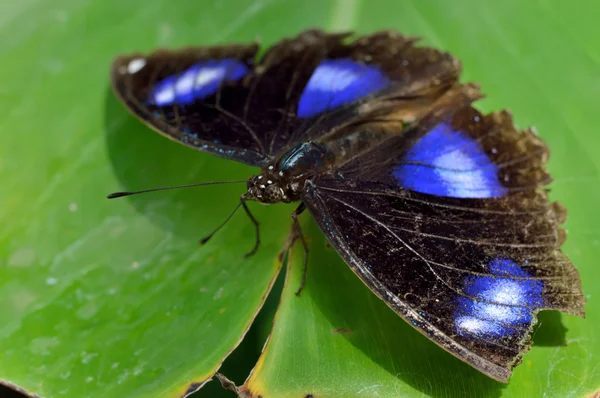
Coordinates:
x,y
284,178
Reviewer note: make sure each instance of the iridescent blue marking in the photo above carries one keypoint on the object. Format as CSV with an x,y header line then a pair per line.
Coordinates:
x,y
512,298
198,82
336,82
446,162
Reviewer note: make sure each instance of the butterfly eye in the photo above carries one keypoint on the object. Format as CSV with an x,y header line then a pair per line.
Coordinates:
x,y
272,194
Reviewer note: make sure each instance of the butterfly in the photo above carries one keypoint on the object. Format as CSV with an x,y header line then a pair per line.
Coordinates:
x,y
439,209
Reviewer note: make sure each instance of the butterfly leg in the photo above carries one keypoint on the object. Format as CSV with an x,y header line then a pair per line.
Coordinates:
x,y
256,226
298,235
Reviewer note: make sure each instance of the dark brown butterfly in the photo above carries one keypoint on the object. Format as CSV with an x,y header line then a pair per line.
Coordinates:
x,y
438,208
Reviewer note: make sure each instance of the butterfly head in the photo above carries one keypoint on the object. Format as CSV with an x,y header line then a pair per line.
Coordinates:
x,y
265,188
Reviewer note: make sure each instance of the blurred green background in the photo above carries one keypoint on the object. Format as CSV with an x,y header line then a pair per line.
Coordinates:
x,y
114,298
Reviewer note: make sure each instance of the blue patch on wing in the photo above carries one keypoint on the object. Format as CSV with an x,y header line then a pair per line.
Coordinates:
x,y
198,82
512,300
336,82
446,162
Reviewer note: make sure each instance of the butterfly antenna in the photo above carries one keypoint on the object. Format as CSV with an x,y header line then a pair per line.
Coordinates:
x,y
205,239
121,194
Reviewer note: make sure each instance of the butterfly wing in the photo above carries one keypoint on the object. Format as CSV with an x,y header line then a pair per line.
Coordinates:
x,y
448,225
230,102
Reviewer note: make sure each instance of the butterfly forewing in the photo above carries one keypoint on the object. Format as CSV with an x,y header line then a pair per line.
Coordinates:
x,y
159,89
447,224
230,102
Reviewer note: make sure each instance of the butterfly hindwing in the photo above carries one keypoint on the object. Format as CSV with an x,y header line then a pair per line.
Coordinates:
x,y
448,224
233,103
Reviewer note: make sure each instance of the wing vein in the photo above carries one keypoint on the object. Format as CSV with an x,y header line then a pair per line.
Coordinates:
x,y
453,207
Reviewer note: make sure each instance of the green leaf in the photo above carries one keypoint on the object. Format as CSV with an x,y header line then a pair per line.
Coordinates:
x,y
113,298
339,340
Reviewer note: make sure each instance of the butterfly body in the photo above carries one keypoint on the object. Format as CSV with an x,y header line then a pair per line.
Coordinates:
x,y
283,180
439,209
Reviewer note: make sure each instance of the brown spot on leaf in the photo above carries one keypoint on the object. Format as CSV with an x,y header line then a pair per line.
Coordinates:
x,y
244,392
342,330
193,387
